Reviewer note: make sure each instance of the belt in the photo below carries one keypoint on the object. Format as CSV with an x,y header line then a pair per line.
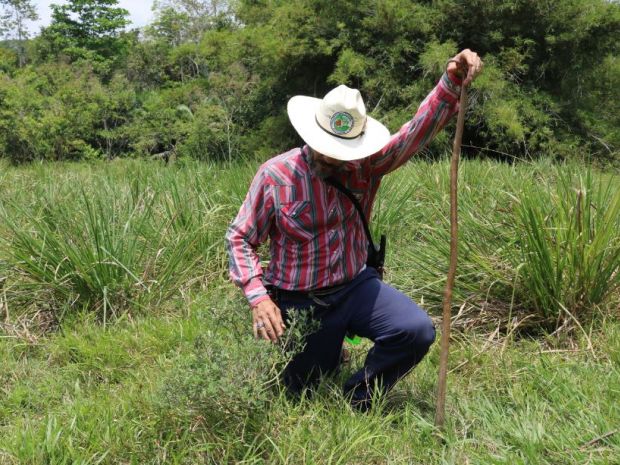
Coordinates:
x,y
310,294
327,290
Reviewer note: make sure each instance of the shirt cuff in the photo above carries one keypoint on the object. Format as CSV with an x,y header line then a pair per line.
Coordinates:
x,y
450,88
254,291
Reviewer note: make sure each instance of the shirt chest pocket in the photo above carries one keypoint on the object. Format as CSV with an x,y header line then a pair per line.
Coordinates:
x,y
295,218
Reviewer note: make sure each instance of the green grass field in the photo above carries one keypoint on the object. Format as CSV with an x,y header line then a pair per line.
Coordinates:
x,y
122,341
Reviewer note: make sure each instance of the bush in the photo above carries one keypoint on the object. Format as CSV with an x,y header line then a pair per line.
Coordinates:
x,y
164,119
62,113
224,387
224,384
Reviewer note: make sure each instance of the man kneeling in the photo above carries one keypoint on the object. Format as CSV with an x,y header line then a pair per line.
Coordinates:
x,y
318,247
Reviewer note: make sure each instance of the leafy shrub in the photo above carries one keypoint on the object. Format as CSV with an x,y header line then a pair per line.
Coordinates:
x,y
164,119
225,385
212,136
8,60
62,113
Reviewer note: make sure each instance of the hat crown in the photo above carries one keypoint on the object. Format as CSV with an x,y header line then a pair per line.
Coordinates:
x,y
342,113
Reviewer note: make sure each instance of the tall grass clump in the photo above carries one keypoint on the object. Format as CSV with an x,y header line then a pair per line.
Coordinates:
x,y
536,241
109,247
570,245
419,231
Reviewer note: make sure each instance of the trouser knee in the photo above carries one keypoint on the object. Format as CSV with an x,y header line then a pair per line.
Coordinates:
x,y
420,335
426,335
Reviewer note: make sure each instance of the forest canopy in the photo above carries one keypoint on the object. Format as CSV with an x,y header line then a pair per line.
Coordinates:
x,y
210,79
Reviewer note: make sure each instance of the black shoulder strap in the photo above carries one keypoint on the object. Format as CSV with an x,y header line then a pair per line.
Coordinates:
x,y
356,204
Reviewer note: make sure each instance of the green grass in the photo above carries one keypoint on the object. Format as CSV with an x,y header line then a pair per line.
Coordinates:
x,y
175,377
194,388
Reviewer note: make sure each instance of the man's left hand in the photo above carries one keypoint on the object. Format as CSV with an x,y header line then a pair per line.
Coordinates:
x,y
465,60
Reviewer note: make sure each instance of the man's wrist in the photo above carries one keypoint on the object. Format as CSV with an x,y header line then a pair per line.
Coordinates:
x,y
255,291
449,88
257,300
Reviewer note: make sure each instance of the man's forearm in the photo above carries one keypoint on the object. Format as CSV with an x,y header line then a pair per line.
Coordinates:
x,y
249,229
432,115
244,267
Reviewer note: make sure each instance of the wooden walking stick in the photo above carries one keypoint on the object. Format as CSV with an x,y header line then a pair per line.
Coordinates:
x,y
440,410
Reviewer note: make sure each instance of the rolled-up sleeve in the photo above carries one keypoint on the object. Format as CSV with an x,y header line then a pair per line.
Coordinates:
x,y
432,115
248,230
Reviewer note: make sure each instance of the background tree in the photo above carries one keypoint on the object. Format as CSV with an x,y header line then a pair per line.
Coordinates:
x,y
86,29
15,15
197,16
169,26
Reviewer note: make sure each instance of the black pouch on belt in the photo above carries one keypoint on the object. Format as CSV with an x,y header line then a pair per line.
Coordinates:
x,y
376,256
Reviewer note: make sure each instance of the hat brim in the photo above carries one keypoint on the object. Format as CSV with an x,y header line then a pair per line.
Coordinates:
x,y
301,112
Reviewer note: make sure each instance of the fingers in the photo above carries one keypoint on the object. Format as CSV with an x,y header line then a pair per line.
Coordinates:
x,y
474,65
276,323
265,333
260,330
268,323
470,76
262,327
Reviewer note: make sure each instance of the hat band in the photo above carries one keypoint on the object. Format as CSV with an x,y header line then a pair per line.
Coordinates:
x,y
338,135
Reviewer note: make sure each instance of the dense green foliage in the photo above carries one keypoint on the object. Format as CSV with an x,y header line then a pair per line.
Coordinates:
x,y
122,339
210,80
13,23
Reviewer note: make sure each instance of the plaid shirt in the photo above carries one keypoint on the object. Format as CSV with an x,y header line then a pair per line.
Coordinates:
x,y
316,235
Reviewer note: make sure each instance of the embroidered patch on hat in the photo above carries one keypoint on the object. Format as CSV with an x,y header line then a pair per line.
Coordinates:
x,y
341,122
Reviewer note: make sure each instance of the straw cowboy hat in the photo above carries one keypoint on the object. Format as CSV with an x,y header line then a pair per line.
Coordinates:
x,y
337,125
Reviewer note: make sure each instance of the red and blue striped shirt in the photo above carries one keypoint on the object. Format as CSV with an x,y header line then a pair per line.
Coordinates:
x,y
316,238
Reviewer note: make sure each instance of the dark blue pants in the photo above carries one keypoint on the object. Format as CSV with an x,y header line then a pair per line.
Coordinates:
x,y
402,334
